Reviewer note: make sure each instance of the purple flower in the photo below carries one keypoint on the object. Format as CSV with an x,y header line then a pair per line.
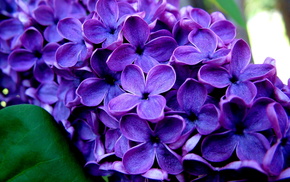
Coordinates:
x,y
143,94
139,159
238,78
242,131
138,50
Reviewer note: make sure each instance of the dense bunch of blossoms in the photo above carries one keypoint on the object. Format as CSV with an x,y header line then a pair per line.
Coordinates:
x,y
147,91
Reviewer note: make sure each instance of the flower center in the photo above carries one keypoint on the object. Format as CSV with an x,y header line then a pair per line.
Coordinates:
x,y
192,117
234,79
145,96
284,141
112,31
139,50
38,54
110,80
155,139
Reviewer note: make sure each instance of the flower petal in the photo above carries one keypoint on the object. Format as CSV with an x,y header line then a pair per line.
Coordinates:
x,y
95,31
71,29
98,62
68,54
245,90
32,39
191,96
274,160
122,145
168,160
42,72
108,11
44,15
47,92
10,28
219,147
187,54
92,91
208,119
257,72
152,109
146,62
218,77
133,79
173,124
107,119
21,60
135,128
200,16
51,34
160,79
132,32
196,165
225,30
204,39
139,159
48,53
111,136
123,103
121,57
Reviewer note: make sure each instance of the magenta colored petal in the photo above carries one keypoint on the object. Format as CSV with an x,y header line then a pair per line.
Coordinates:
x,y
139,159
133,80
152,109
132,33
168,160
278,119
135,128
121,57
204,39
245,90
191,90
51,34
10,28
123,103
257,71
196,165
21,60
122,145
146,62
68,54
200,16
225,30
245,149
173,124
219,147
241,56
256,119
44,15
42,72
187,54
32,39
95,31
108,11
274,160
71,29
208,119
216,76
48,53
160,48
92,91
47,92
160,79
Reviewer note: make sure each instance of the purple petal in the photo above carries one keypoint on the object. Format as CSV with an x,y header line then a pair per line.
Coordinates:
x,y
48,53
245,90
208,119
42,72
191,96
245,149
21,60
51,34
44,15
257,71
139,159
200,16
68,54
62,8
285,174
160,79
146,62
160,48
274,160
135,128
173,124
191,144
219,147
60,111
156,174
187,54
10,28
108,11
133,80
92,91
98,62
219,57
71,29
111,136
132,32
123,103
241,56
225,30
204,39
152,109
95,31
122,146
107,119
47,92
196,165
218,77
121,57
32,39
168,160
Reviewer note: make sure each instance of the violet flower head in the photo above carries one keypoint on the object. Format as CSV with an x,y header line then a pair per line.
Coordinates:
x,y
145,95
138,50
153,144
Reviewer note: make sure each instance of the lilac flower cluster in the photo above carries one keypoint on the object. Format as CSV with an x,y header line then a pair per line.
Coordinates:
x,y
147,91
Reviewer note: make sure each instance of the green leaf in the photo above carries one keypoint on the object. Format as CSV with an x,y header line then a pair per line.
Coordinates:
x,y
33,148
231,8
